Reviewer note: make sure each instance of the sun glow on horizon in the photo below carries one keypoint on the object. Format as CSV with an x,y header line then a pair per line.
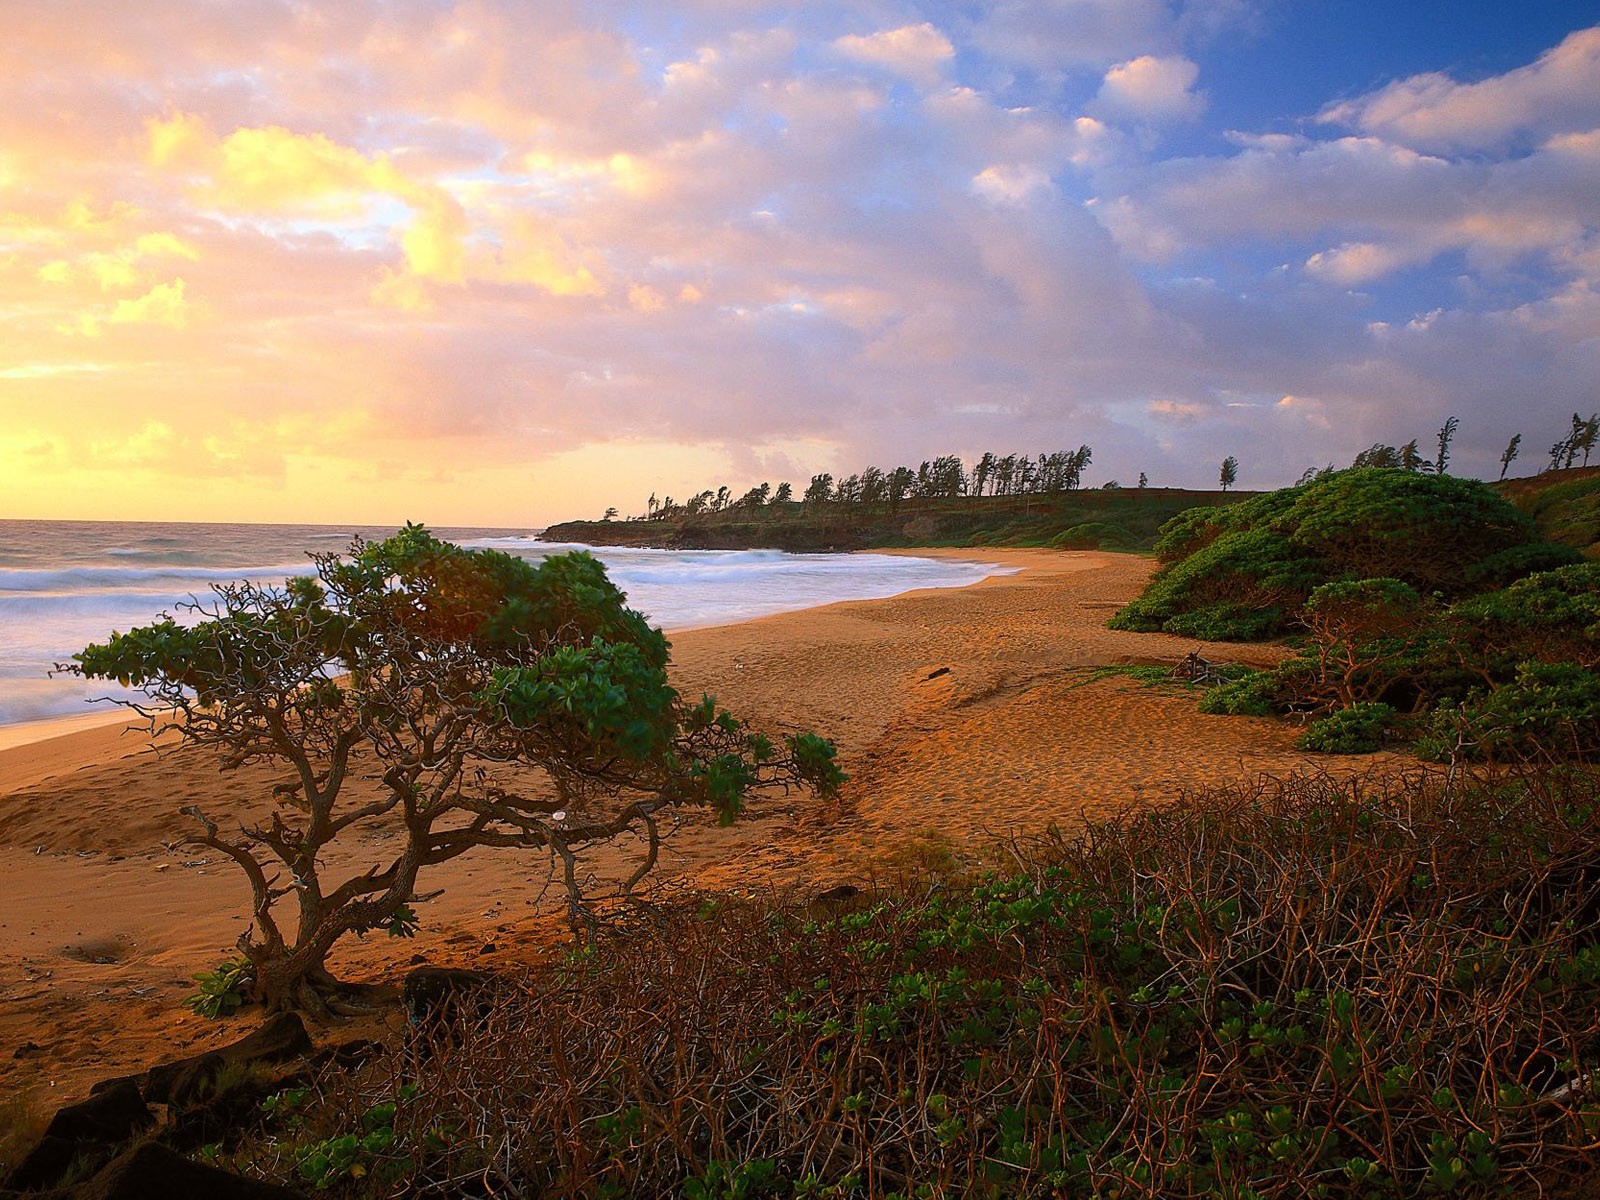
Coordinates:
x,y
292,264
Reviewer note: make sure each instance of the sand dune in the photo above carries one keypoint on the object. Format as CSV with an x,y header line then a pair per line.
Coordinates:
x,y
961,716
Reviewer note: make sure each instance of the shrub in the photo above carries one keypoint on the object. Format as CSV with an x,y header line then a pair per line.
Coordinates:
x,y
1256,695
1358,729
1246,571
456,663
1549,710
1234,588
223,989
1499,570
1427,530
1552,616
1093,535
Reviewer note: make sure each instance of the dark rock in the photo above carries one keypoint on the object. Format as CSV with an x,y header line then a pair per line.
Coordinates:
x,y
282,1038
442,996
153,1172
114,1115
844,891
487,948
48,1162
935,674
28,1050
88,1130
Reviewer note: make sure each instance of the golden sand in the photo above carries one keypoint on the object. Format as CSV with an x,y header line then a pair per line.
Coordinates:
x,y
962,716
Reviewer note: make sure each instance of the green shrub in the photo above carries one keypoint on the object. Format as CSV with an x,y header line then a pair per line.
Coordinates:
x,y
1093,535
1499,570
1549,710
1358,729
1428,530
1234,588
1552,616
1255,695
1246,571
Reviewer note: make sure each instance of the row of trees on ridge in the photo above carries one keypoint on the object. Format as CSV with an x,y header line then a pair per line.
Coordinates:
x,y
944,478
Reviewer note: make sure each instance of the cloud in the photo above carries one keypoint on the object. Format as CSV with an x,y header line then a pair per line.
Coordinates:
x,y
1009,184
920,53
1558,93
730,239
1368,208
1151,90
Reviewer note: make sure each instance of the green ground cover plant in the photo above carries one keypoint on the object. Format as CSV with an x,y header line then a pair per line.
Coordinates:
x,y
1284,989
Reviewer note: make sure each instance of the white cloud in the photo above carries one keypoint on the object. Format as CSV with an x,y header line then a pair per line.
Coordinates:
x,y
1009,183
1151,90
1558,93
919,53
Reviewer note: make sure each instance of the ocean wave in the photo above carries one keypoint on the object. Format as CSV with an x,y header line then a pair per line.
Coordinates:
x,y
50,613
67,581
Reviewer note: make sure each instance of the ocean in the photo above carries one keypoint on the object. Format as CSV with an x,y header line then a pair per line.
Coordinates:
x,y
65,584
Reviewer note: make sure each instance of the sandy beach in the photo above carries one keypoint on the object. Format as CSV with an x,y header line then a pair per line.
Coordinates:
x,y
962,716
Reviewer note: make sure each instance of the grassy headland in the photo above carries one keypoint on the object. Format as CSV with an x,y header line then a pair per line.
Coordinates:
x,y
1564,505
1088,519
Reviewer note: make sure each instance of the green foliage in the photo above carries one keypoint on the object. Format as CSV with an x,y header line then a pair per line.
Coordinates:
x,y
1093,535
1365,561
1545,710
222,990
369,1150
1553,616
1507,566
745,1181
1235,587
1255,695
1508,674
1358,729
1427,530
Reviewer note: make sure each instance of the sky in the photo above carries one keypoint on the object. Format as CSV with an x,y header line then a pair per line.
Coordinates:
x,y
505,263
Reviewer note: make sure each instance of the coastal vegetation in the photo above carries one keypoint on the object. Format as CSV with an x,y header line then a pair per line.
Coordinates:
x,y
1422,607
432,669
1281,989
1370,986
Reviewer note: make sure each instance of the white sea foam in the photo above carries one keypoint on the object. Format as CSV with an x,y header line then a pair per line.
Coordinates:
x,y
61,588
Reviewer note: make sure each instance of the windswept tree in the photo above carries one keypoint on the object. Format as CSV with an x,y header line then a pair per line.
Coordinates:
x,y
1447,433
485,703
874,486
1509,455
784,493
900,483
1411,456
1230,472
819,491
1585,432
